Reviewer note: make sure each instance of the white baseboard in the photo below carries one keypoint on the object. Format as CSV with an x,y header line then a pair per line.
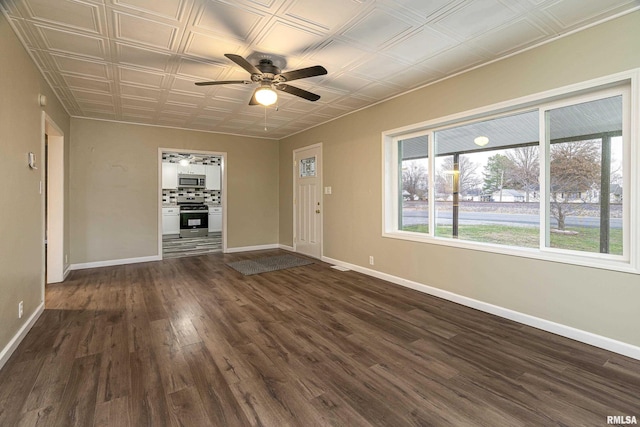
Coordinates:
x,y
251,248
526,319
67,270
8,350
111,262
287,248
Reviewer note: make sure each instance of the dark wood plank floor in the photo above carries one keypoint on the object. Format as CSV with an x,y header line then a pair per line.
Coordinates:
x,y
191,342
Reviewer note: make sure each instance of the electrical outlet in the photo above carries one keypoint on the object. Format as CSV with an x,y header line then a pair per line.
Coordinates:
x,y
371,260
20,309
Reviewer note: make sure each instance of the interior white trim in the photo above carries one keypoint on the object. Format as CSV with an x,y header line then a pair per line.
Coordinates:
x,y
251,248
286,248
111,262
11,346
526,319
67,270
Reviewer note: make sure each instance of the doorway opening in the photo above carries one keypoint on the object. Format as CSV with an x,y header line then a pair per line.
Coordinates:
x,y
192,198
56,262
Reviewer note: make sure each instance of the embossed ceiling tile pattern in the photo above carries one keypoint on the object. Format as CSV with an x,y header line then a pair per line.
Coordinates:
x,y
74,14
103,98
209,47
140,92
387,27
140,77
456,59
510,37
145,31
188,86
72,42
228,20
138,60
181,98
322,14
464,20
78,82
142,57
380,67
71,65
199,69
415,76
380,91
284,38
420,44
162,8
337,53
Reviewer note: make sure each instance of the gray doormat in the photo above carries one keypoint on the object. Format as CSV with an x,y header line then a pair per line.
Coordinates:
x,y
264,265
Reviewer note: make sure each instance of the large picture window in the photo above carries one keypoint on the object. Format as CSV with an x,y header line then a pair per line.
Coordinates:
x,y
551,179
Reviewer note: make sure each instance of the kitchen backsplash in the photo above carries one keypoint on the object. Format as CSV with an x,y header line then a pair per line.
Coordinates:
x,y
196,159
211,197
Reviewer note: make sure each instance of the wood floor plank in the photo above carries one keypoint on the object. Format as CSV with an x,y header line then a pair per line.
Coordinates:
x,y
148,400
52,378
218,400
190,341
113,413
77,406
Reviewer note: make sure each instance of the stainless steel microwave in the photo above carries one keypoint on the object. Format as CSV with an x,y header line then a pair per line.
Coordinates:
x,y
191,181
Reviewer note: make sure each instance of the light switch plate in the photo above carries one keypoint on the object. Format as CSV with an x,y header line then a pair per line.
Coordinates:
x,y
327,190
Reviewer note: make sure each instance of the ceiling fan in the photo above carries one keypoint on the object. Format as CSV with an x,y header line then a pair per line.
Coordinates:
x,y
270,77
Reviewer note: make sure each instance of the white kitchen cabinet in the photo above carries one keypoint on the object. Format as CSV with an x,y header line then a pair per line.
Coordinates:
x,y
215,219
213,177
171,220
169,175
191,169
198,169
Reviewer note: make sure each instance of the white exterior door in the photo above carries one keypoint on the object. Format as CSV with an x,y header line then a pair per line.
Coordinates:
x,y
307,198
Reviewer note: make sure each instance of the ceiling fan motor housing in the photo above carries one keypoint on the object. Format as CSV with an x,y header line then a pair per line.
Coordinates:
x,y
269,71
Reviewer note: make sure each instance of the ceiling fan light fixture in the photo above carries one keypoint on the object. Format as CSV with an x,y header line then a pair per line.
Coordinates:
x,y
266,96
481,141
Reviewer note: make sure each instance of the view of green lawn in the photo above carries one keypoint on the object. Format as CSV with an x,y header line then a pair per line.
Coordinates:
x,y
586,239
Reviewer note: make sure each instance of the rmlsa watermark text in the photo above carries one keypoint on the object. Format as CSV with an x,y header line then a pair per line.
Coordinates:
x,y
622,419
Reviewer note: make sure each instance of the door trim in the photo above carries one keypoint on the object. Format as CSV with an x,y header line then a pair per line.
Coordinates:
x,y
293,205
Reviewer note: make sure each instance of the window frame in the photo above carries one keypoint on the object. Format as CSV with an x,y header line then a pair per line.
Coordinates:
x,y
625,84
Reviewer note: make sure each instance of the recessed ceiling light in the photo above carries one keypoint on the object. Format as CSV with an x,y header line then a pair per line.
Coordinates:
x,y
481,141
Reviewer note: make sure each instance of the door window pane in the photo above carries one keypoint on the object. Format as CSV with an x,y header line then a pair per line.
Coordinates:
x,y
308,167
414,184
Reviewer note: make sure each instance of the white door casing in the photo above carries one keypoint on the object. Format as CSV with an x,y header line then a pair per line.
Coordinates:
x,y
307,200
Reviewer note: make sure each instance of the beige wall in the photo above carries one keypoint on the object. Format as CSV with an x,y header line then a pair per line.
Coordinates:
x,y
21,205
114,187
599,301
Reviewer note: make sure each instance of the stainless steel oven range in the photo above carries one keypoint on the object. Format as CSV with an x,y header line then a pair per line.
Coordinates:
x,y
194,216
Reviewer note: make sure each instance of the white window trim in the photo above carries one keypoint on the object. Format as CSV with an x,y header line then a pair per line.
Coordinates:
x,y
630,260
